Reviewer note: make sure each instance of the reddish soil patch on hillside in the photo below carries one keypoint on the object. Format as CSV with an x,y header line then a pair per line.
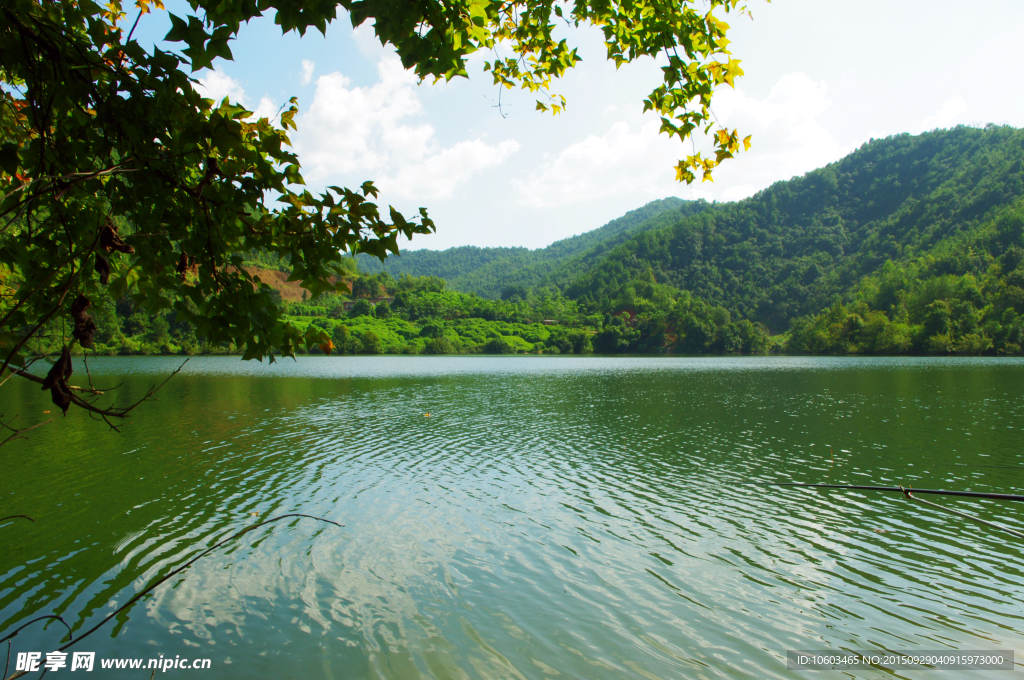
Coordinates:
x,y
290,291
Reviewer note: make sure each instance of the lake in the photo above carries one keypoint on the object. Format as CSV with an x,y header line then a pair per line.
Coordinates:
x,y
552,517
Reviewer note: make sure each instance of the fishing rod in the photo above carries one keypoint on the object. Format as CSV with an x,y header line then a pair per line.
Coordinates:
x,y
1002,467
909,493
898,489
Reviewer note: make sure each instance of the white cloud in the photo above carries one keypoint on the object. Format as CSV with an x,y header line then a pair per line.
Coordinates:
x,y
266,109
216,85
632,158
946,114
439,174
628,159
307,71
787,137
367,43
737,192
356,133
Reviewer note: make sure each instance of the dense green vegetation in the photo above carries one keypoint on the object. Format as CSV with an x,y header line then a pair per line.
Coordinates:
x,y
918,236
800,245
911,244
418,315
966,298
489,271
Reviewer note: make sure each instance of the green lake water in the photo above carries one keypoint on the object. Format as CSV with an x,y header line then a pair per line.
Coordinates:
x,y
553,517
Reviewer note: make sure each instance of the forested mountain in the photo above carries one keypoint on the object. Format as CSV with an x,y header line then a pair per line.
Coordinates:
x,y
909,245
795,247
488,271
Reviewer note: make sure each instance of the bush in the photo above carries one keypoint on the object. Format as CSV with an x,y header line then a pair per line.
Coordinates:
x,y
371,343
441,345
432,330
361,308
579,340
342,339
616,338
498,345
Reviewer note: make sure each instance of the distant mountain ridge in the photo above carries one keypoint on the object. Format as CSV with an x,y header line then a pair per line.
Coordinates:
x,y
488,271
923,235
802,244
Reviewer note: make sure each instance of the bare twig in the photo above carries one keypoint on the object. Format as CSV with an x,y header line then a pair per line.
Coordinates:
x,y
39,325
6,379
69,178
17,433
131,32
40,618
92,386
4,519
36,378
53,271
60,303
104,413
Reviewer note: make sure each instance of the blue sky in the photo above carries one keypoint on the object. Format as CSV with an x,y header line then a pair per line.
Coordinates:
x,y
821,79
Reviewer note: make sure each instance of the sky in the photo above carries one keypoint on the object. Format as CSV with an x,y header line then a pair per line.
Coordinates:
x,y
821,78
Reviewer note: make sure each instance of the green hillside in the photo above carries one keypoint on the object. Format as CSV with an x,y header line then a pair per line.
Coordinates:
x,y
488,271
909,244
802,244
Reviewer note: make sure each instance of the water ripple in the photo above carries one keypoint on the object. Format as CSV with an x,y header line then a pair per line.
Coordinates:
x,y
549,516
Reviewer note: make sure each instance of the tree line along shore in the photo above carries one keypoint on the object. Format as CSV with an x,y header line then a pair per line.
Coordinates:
x,y
910,245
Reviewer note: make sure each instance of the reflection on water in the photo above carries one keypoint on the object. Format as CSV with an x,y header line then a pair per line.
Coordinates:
x,y
580,517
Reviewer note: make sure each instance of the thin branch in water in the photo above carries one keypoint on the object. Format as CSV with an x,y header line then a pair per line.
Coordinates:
x,y
188,564
19,434
40,618
909,494
138,596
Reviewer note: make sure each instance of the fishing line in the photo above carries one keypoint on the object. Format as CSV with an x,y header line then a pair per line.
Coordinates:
x,y
896,489
1004,467
908,494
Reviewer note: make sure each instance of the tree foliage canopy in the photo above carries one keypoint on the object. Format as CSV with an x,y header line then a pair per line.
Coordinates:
x,y
119,179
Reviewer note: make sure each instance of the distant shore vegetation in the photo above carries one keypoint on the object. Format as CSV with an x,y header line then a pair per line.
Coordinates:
x,y
911,245
942,314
